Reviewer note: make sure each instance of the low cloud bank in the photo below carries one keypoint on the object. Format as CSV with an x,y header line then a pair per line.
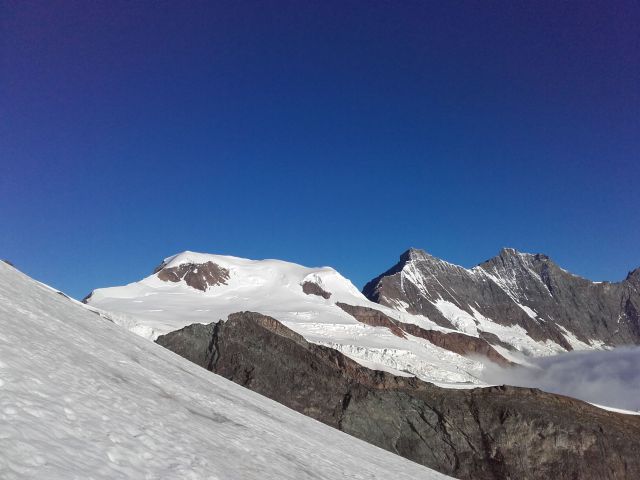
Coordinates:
x,y
610,378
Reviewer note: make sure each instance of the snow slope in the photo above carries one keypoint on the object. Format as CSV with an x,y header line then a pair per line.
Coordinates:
x,y
152,307
82,398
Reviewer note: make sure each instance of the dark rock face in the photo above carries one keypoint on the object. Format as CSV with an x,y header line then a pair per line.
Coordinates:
x,y
311,288
501,286
590,310
373,317
453,341
490,433
200,276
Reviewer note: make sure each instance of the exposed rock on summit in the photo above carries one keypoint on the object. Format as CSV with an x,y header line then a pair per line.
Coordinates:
x,y
200,276
312,288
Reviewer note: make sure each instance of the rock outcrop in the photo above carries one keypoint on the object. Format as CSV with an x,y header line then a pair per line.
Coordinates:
x,y
312,288
200,276
373,317
465,345
489,433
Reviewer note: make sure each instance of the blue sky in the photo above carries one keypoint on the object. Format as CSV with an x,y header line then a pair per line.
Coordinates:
x,y
324,133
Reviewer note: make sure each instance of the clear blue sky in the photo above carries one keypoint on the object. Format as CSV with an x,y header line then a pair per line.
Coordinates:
x,y
320,132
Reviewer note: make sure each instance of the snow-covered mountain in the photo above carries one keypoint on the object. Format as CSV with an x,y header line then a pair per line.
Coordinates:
x,y
424,317
314,302
81,397
547,309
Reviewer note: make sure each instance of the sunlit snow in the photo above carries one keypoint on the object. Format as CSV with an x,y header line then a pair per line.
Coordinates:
x,y
82,398
153,307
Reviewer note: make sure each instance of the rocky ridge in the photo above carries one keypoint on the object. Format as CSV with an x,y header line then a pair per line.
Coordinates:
x,y
514,289
489,433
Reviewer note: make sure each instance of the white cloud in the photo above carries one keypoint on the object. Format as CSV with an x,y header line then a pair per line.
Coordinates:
x,y
610,378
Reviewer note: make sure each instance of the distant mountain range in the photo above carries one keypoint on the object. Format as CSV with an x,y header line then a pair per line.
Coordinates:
x,y
511,307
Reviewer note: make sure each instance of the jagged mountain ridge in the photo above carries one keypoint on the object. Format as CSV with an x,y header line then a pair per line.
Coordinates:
x,y
514,289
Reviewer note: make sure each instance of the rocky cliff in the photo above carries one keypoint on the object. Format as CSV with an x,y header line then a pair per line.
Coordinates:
x,y
489,433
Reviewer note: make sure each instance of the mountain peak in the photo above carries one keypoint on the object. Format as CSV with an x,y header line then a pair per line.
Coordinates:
x,y
634,276
508,251
415,254
512,252
511,255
